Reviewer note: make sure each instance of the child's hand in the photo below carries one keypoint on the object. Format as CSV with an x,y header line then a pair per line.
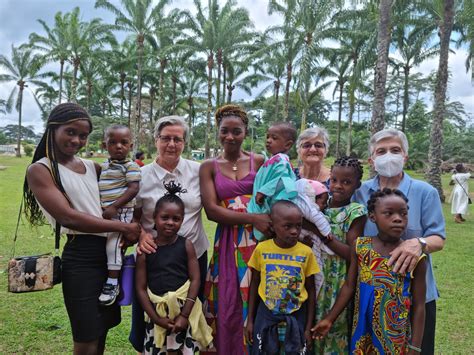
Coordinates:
x,y
110,212
165,322
321,329
307,240
308,338
180,323
249,332
259,198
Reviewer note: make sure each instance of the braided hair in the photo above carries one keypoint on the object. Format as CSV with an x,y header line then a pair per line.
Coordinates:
x,y
379,194
231,110
60,115
173,189
350,162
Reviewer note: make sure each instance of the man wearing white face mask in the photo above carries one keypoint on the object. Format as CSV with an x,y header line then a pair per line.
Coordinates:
x,y
426,226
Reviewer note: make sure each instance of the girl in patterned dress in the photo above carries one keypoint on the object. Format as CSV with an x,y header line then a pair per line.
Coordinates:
x,y
389,308
347,220
168,284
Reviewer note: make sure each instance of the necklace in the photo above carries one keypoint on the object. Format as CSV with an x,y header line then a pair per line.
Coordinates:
x,y
234,164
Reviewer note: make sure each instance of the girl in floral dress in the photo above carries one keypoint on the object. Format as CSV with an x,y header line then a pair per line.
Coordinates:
x,y
347,220
389,307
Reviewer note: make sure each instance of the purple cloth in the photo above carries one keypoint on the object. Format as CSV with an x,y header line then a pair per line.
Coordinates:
x,y
229,319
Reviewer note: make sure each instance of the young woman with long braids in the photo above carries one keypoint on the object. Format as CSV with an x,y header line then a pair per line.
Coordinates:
x,y
63,188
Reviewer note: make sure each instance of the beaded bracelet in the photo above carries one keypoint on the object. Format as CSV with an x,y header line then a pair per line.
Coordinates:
x,y
413,347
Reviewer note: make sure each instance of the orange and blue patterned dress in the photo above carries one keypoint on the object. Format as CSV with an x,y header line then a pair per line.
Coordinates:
x,y
382,305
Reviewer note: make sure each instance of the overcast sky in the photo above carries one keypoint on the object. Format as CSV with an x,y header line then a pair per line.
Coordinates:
x,y
18,18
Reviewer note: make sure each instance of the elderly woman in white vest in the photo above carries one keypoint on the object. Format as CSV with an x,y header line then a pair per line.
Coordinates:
x,y
171,134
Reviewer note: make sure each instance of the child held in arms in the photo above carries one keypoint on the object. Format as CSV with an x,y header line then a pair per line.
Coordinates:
x,y
275,180
118,186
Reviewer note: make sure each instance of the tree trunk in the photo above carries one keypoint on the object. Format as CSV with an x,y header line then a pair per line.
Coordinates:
x,y
338,137
138,106
89,95
406,71
436,142
61,74
190,122
21,84
306,69
218,82
230,88
76,63
289,69
224,84
210,65
174,81
383,43
129,85
277,94
152,99
163,63
350,119
122,94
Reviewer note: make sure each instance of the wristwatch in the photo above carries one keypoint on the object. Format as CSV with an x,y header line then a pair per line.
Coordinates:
x,y
423,244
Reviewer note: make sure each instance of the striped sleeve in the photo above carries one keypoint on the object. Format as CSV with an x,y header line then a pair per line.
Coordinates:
x,y
133,173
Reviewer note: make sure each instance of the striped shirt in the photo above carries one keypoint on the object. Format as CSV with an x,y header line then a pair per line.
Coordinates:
x,y
114,179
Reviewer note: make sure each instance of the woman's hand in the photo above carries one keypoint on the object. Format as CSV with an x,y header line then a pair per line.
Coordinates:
x,y
321,329
180,323
405,257
263,223
130,237
146,244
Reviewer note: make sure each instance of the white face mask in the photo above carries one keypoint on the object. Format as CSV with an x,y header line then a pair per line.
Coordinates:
x,y
389,164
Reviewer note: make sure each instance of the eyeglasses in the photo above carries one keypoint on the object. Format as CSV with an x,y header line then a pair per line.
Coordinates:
x,y
168,139
316,145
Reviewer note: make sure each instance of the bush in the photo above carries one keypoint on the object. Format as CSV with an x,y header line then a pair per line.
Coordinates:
x,y
29,149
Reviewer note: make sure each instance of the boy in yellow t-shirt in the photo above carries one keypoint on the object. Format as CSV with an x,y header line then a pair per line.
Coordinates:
x,y
281,270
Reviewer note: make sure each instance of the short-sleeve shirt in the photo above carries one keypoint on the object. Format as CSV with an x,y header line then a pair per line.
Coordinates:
x,y
283,272
152,189
114,179
425,216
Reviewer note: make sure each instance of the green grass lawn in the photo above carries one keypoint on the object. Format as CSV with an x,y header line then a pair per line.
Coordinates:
x,y
37,322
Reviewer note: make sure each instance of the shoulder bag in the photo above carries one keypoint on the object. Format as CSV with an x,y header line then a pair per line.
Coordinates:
x,y
36,272
469,201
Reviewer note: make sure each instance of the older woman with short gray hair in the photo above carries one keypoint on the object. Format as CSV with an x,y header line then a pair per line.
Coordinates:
x,y
312,146
170,134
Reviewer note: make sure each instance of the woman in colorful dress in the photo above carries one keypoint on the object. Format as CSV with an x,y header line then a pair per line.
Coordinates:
x,y
347,220
226,188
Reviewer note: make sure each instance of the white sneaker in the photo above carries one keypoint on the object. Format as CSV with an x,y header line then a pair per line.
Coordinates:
x,y
109,294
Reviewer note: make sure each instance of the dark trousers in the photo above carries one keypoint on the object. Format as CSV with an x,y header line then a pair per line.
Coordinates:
x,y
137,332
428,343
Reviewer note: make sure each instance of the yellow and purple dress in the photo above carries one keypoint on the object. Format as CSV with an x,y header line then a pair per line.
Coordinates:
x,y
382,305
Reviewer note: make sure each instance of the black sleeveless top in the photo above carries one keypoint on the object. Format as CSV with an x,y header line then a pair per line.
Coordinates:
x,y
167,268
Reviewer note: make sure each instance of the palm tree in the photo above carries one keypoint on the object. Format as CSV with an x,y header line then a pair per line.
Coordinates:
x,y
23,68
54,44
465,20
414,46
383,43
436,136
314,22
338,68
84,38
122,58
139,18
291,42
